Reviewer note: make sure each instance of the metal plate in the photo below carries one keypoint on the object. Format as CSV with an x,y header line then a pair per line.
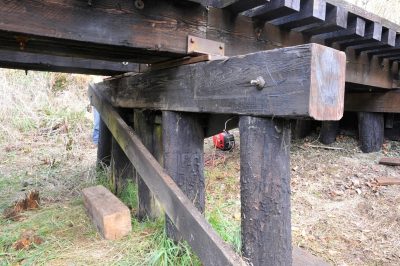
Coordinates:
x,y
198,45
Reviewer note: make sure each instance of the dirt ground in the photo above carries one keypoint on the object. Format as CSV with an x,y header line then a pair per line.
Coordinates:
x,y
338,212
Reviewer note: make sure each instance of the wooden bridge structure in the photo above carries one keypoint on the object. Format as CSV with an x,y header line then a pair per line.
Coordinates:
x,y
181,68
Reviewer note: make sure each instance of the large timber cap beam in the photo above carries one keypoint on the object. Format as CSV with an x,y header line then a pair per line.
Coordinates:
x,y
300,81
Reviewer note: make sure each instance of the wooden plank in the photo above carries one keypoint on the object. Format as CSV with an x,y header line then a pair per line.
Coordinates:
x,y
111,217
387,181
370,131
265,190
298,82
355,29
390,161
239,6
121,168
273,10
148,128
379,102
388,40
183,142
373,34
39,62
73,28
204,241
241,35
311,11
386,51
335,19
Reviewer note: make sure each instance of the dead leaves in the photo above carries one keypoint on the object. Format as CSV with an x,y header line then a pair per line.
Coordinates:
x,y
30,202
27,240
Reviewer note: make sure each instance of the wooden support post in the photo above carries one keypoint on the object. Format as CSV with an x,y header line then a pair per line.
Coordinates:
x,y
183,159
371,131
301,128
147,125
329,131
265,190
104,145
121,167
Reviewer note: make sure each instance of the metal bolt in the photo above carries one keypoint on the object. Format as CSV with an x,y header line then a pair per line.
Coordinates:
x,y
191,40
259,82
139,4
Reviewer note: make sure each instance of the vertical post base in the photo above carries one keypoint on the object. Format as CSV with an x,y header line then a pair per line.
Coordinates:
x,y
183,138
329,131
265,190
147,125
104,145
371,131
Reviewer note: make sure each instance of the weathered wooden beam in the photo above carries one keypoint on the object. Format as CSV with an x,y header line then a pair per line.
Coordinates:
x,y
311,11
104,145
287,82
73,28
147,125
335,19
121,167
265,190
373,34
239,6
370,131
183,141
241,35
204,241
388,40
39,62
355,29
386,51
376,102
273,10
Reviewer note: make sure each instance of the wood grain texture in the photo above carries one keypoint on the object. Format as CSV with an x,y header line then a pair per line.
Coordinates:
x,y
265,191
183,142
311,11
387,181
335,19
112,30
39,62
370,131
377,102
390,161
111,217
243,5
355,30
204,241
150,132
273,10
373,34
298,83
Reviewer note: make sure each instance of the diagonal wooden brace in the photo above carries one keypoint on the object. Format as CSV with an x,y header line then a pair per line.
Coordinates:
x,y
194,228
